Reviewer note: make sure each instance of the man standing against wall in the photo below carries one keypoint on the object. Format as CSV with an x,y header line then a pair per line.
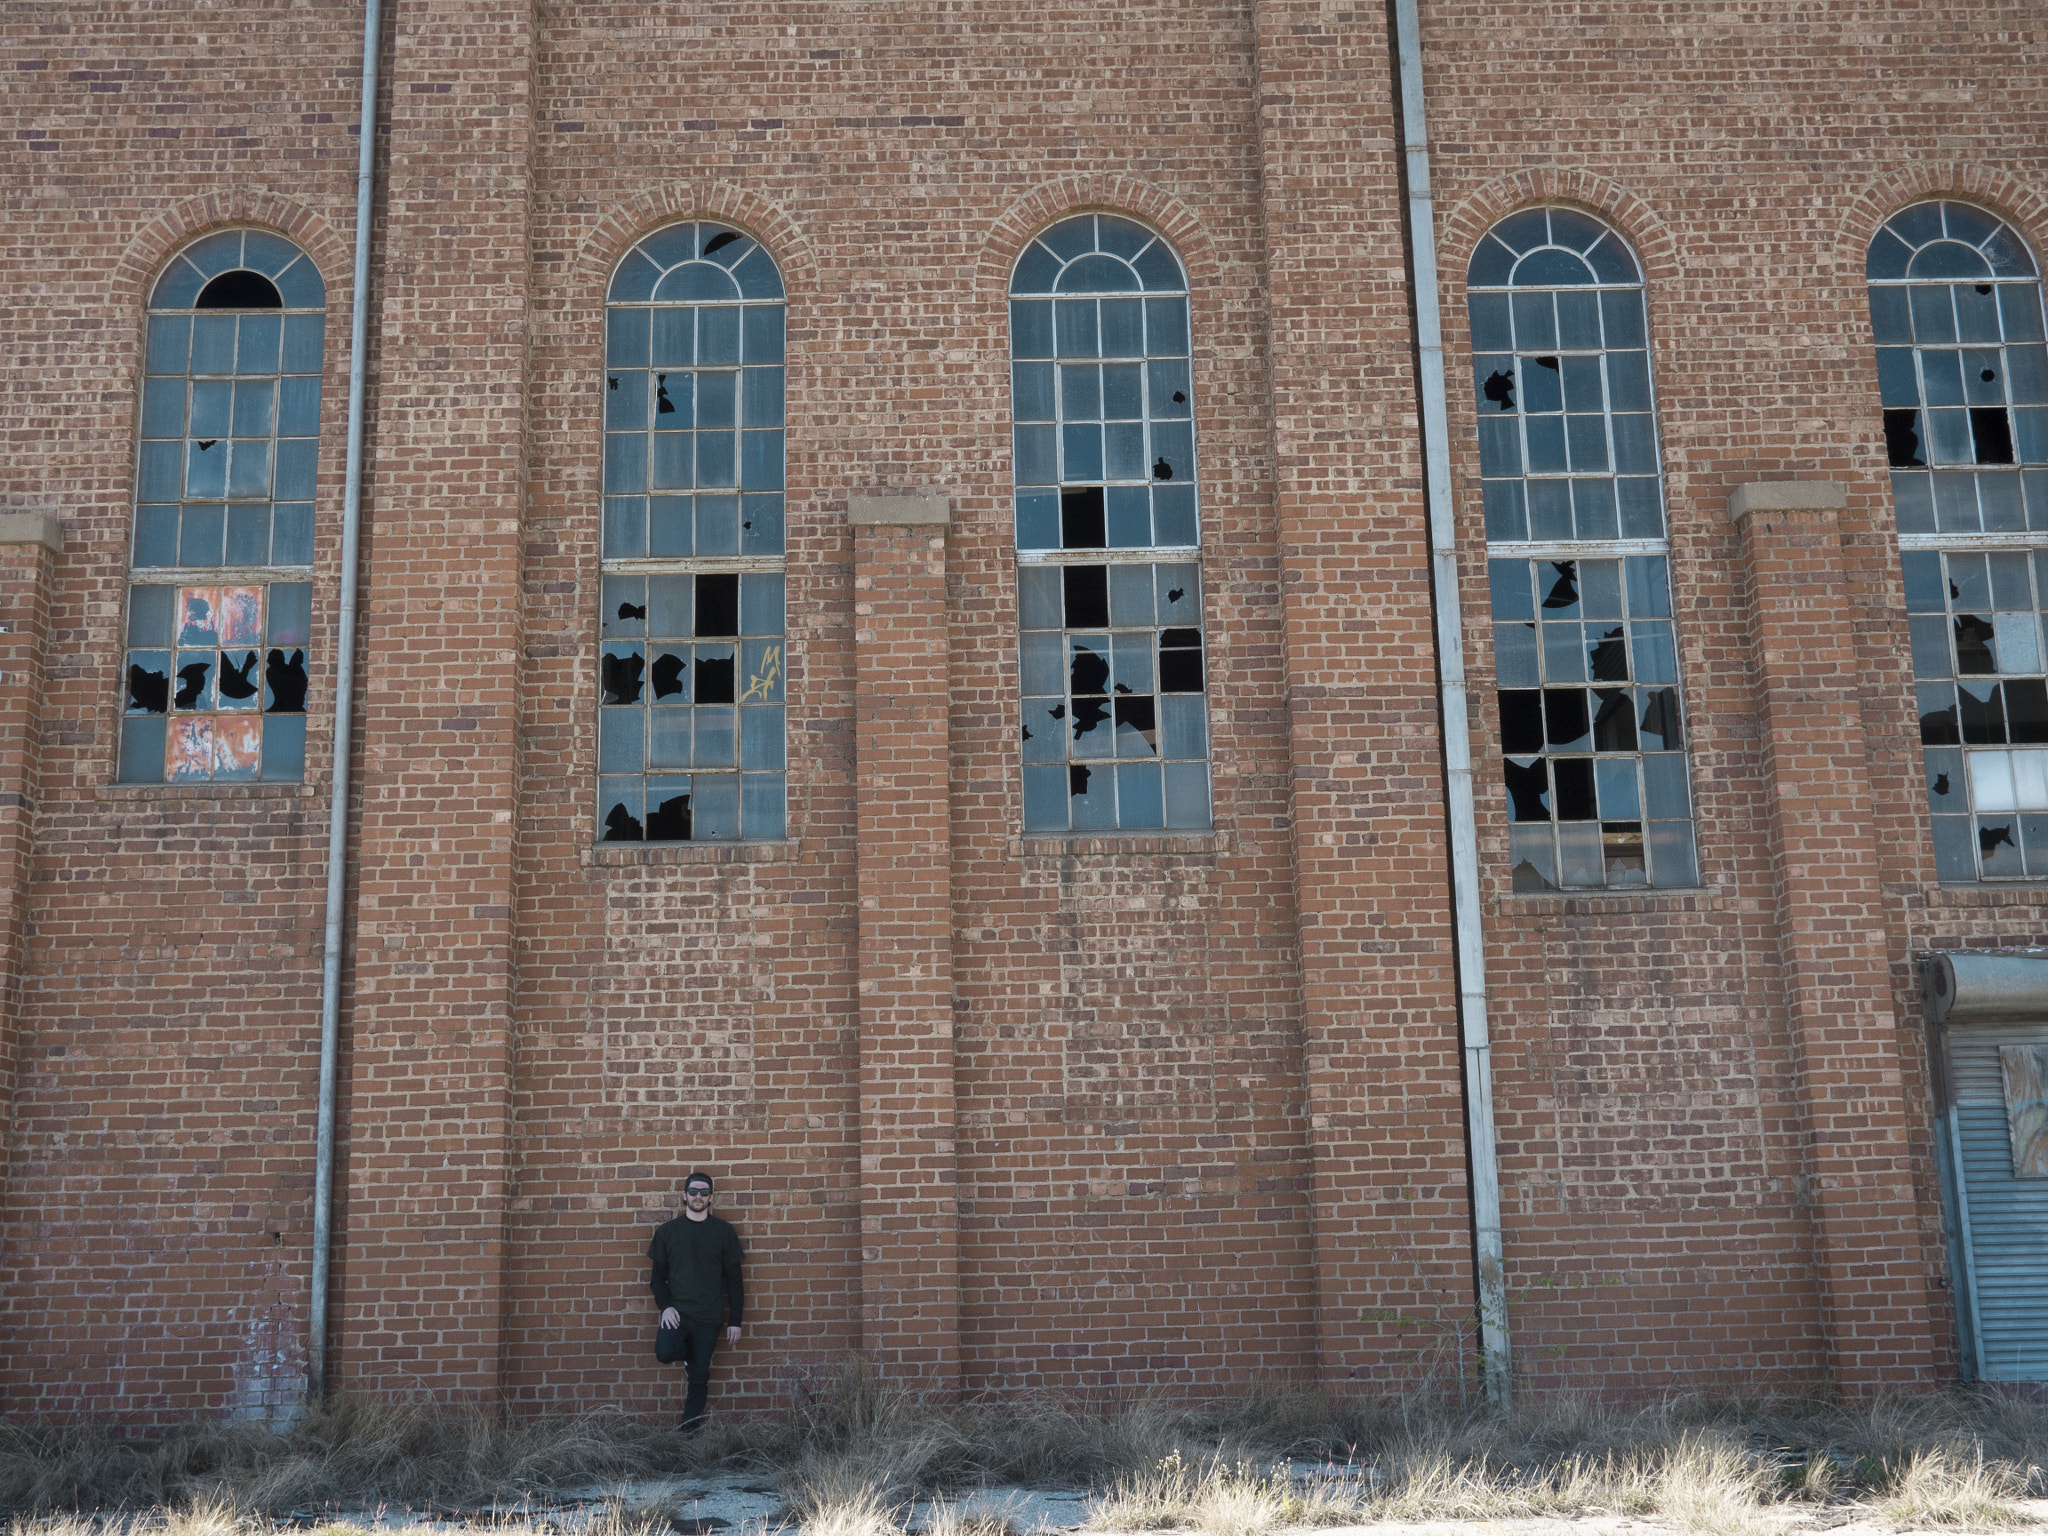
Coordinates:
x,y
696,1283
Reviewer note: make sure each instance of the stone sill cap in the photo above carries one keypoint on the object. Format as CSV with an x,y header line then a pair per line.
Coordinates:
x,y
32,528
899,511
1786,496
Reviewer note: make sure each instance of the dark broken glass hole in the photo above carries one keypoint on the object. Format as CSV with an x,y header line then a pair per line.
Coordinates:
x,y
1983,287
667,675
1574,779
1521,720
1528,790
239,290
621,826
1138,714
1973,644
1120,688
287,680
1902,440
206,443
1077,780
1989,838
1614,721
1938,728
191,683
1991,434
1081,519
613,381
718,605
720,242
620,677
1088,714
1983,720
1608,657
1058,711
670,822
1086,588
1547,362
714,680
2026,709
1089,671
1500,388
1941,783
663,406
1175,594
1179,398
235,679
632,610
1180,669
1161,470
149,690
1565,592
1565,719
1027,733
1988,375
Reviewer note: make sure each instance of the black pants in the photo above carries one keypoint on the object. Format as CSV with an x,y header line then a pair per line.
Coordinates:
x,y
697,1340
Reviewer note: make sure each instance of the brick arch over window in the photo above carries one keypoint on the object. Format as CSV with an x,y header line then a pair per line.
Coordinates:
x,y
2020,204
625,224
1127,196
1630,215
138,267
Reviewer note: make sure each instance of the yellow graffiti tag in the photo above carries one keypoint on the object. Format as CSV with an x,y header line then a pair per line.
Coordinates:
x,y
762,683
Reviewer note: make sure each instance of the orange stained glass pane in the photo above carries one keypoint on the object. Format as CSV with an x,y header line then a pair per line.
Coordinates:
x,y
241,616
237,748
188,748
199,616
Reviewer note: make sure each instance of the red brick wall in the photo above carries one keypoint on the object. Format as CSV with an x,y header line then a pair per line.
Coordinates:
x,y
1204,1090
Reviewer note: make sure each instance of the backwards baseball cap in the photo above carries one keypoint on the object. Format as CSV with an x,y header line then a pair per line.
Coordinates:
x,y
697,1180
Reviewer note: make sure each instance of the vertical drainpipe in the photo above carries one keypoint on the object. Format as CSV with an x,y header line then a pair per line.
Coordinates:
x,y
344,710
1469,953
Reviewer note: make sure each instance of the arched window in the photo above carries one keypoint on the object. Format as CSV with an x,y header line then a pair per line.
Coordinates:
x,y
1955,305
1592,738
1115,729
691,654
220,569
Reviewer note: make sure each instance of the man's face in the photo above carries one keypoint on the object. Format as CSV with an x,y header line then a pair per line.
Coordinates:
x,y
697,1198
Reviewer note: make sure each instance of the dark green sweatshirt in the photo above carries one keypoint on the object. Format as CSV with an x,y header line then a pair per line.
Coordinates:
x,y
694,1262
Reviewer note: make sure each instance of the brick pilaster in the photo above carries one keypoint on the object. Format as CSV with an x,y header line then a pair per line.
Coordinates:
x,y
1379,995
29,546
909,1268
1831,919
423,1251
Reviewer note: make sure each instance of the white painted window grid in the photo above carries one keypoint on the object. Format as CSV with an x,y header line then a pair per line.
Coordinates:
x,y
1111,650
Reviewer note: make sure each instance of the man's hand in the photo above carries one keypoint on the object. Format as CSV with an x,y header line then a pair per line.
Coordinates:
x,y
732,1334
671,1318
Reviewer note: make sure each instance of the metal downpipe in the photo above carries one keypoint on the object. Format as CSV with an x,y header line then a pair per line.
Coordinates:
x,y
1469,952
344,710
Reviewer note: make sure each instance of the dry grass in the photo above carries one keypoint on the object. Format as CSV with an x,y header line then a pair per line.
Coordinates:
x,y
850,1457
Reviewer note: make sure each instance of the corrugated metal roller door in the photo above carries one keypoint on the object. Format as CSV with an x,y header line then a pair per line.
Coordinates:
x,y
2003,1219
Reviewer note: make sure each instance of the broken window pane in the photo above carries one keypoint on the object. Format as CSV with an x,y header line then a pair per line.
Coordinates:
x,y
692,656
1608,753
229,421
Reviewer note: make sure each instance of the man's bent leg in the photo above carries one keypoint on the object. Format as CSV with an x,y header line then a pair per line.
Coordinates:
x,y
699,1341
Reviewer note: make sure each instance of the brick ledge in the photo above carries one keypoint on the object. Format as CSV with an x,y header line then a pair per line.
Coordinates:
x,y
205,790
2018,894
1081,845
1701,898
637,855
